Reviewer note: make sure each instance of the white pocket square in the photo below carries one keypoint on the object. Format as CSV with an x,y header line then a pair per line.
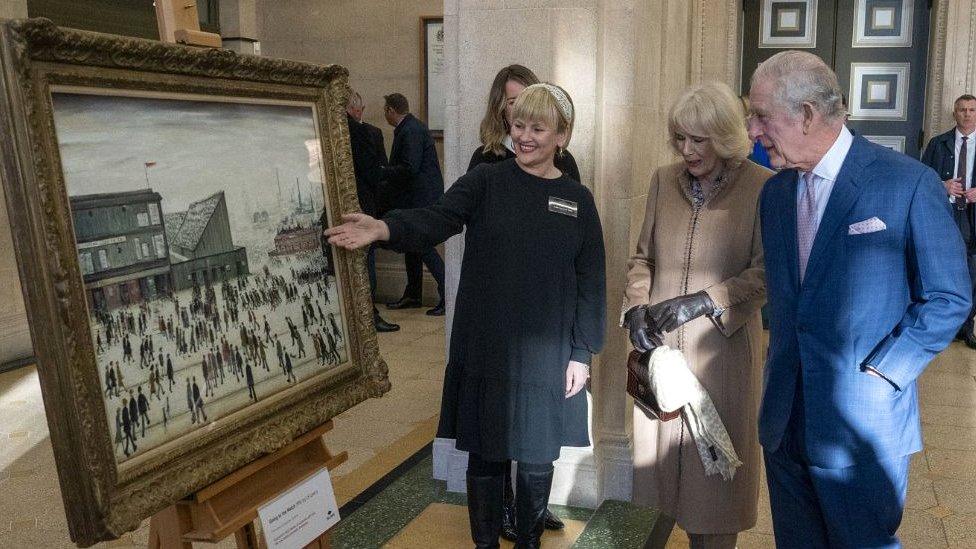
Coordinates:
x,y
872,225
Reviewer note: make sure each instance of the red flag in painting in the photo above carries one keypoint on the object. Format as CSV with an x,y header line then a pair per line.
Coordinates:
x,y
150,164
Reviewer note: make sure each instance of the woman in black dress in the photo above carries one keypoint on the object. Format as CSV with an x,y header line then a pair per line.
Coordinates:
x,y
497,145
530,310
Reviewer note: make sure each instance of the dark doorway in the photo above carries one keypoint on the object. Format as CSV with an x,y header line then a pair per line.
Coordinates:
x,y
878,48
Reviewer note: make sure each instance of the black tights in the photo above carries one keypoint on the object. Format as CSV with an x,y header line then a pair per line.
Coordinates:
x,y
480,467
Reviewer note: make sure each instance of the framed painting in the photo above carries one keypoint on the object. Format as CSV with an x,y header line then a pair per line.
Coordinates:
x,y
788,24
167,207
432,73
879,91
883,24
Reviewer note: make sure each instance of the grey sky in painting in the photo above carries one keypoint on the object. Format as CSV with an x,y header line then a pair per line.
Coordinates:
x,y
199,148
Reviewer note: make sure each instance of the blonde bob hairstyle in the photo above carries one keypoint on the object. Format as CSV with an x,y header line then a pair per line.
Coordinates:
x,y
537,104
711,110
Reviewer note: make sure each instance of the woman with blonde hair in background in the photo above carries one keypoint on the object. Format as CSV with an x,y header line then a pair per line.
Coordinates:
x,y
530,311
496,143
696,283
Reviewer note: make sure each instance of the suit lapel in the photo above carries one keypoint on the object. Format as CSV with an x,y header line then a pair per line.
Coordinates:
x,y
949,141
842,199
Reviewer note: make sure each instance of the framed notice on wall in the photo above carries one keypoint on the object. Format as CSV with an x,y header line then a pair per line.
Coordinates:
x,y
432,73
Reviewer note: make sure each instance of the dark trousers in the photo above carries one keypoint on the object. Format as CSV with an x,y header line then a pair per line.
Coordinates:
x,y
965,221
415,273
814,507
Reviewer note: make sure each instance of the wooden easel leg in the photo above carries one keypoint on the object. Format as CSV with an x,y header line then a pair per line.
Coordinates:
x,y
247,537
166,529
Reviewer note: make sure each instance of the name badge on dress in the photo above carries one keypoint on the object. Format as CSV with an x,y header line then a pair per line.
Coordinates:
x,y
560,206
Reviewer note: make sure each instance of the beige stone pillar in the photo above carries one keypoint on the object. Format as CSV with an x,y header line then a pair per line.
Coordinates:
x,y
239,26
951,70
558,41
623,61
15,341
13,9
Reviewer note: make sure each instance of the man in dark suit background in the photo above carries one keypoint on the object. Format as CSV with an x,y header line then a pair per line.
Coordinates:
x,y
416,174
951,155
368,159
866,284
355,109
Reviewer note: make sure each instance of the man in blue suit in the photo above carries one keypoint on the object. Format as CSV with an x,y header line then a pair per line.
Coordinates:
x,y
867,281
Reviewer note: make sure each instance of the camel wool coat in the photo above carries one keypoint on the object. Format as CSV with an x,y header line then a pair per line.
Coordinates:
x,y
683,250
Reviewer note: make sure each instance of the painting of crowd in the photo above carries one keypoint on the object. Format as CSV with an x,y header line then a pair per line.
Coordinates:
x,y
198,226
176,363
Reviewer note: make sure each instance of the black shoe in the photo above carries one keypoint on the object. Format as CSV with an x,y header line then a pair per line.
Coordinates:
x,y
971,341
384,326
531,501
405,303
552,521
437,311
485,510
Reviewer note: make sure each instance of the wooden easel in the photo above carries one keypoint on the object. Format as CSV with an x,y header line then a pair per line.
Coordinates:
x,y
230,505
179,22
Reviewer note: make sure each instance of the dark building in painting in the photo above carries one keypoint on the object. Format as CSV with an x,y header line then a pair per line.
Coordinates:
x,y
295,240
202,249
122,247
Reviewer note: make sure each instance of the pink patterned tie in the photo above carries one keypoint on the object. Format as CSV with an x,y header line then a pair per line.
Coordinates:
x,y
806,221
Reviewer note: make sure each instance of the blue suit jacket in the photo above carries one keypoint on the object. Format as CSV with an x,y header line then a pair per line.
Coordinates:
x,y
891,299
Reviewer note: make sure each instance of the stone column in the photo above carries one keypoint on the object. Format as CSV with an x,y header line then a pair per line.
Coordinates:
x,y
15,340
952,49
558,42
239,26
624,62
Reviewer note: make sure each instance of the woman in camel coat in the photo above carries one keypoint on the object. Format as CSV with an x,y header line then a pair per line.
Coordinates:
x,y
696,284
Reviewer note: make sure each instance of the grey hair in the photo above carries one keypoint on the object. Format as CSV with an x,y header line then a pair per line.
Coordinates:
x,y
355,100
802,77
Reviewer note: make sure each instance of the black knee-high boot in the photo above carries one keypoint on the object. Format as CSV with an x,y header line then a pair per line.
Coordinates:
x,y
485,509
508,517
531,500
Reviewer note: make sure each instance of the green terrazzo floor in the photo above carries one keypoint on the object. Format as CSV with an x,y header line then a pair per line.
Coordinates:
x,y
616,525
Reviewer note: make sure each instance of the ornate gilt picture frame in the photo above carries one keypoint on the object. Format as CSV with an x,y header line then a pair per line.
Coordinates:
x,y
166,206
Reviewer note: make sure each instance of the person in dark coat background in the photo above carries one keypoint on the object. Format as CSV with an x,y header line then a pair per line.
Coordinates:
x,y
368,159
944,154
416,174
497,145
531,311
355,109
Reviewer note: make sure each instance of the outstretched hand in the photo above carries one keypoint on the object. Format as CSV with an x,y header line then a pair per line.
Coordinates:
x,y
356,231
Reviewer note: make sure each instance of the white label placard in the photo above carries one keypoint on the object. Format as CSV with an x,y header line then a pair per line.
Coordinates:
x,y
295,518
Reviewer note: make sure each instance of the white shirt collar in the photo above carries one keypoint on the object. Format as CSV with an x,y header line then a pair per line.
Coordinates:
x,y
829,166
959,135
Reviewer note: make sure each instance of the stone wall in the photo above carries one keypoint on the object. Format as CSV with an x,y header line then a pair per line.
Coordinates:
x,y
379,42
15,341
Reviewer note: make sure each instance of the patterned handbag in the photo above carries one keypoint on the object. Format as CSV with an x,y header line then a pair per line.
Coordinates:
x,y
639,386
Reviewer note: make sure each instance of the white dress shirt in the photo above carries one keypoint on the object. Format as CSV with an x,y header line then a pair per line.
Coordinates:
x,y
825,172
970,153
